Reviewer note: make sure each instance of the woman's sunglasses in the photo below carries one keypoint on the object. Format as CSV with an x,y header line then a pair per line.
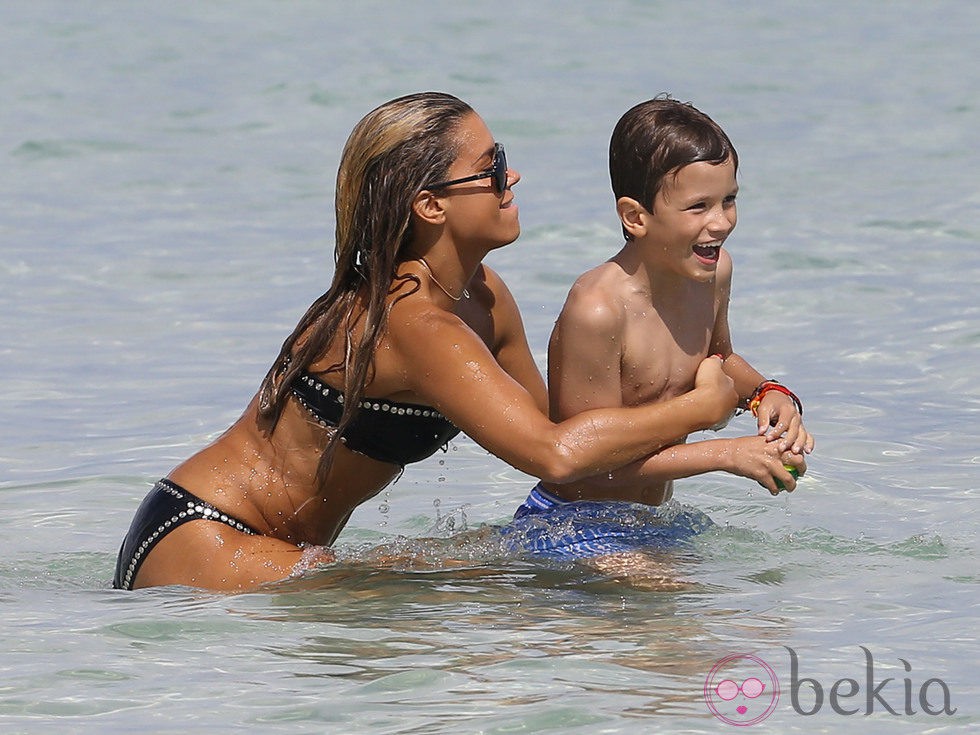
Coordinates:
x,y
497,173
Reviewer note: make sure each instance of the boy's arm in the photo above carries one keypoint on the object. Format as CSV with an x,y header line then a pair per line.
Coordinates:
x,y
747,456
745,377
585,354
777,416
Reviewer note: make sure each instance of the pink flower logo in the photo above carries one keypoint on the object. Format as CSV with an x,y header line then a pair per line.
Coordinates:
x,y
741,690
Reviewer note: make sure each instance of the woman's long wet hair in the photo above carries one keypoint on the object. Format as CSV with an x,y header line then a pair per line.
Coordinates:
x,y
389,157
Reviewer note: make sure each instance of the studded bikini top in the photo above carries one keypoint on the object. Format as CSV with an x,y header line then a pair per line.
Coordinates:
x,y
397,433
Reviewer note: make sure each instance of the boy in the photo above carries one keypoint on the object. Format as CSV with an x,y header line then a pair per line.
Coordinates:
x,y
635,328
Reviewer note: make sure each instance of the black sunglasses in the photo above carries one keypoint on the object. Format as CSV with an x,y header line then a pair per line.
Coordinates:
x,y
497,173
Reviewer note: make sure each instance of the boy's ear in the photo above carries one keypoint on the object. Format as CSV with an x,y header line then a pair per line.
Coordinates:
x,y
429,208
633,216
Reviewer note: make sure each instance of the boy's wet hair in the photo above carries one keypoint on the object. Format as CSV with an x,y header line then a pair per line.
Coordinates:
x,y
656,138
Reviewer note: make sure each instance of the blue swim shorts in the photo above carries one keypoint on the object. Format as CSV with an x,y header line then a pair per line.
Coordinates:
x,y
550,526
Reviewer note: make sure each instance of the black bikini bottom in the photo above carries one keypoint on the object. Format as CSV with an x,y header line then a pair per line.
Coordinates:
x,y
165,507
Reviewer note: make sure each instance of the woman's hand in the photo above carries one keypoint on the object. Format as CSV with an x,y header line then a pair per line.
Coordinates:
x,y
717,389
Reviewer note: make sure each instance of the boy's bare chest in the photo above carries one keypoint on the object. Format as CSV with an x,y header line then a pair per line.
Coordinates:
x,y
660,357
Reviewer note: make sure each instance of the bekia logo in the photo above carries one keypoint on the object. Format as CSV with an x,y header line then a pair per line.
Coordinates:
x,y
743,690
847,696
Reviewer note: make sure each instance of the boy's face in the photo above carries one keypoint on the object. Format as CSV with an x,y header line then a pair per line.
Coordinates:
x,y
693,213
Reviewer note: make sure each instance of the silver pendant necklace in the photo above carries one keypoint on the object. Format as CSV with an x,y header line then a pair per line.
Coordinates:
x,y
432,277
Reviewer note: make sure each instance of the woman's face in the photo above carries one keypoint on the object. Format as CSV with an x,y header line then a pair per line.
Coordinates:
x,y
475,212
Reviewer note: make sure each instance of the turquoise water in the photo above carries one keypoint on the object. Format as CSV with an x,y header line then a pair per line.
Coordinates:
x,y
166,216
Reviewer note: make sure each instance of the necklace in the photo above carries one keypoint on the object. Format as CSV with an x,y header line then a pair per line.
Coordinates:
x,y
442,288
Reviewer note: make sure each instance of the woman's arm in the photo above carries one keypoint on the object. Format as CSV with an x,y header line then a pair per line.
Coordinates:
x,y
447,365
510,346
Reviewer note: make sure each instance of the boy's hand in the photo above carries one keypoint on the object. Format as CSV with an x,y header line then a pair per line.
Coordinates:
x,y
720,396
763,461
779,419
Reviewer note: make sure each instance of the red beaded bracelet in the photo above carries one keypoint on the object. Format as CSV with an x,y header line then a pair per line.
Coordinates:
x,y
768,385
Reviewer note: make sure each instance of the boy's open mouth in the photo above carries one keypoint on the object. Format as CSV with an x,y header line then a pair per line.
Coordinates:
x,y
707,252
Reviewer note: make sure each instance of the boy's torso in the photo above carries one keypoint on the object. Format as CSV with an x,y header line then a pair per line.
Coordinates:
x,y
665,337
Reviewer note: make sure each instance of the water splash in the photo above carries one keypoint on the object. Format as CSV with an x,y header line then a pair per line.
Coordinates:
x,y
635,535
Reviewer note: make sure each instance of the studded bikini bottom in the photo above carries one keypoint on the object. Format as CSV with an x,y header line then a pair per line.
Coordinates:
x,y
165,507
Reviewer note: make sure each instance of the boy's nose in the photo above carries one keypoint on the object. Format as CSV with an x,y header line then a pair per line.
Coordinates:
x,y
722,222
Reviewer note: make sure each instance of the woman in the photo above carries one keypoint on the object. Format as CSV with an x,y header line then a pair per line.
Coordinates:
x,y
415,341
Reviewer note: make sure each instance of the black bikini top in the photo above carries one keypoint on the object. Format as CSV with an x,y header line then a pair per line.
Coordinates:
x,y
397,433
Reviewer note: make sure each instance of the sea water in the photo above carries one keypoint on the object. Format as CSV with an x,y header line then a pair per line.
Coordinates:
x,y
166,216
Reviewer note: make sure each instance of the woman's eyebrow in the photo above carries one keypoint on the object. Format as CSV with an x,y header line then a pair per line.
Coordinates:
x,y
487,154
